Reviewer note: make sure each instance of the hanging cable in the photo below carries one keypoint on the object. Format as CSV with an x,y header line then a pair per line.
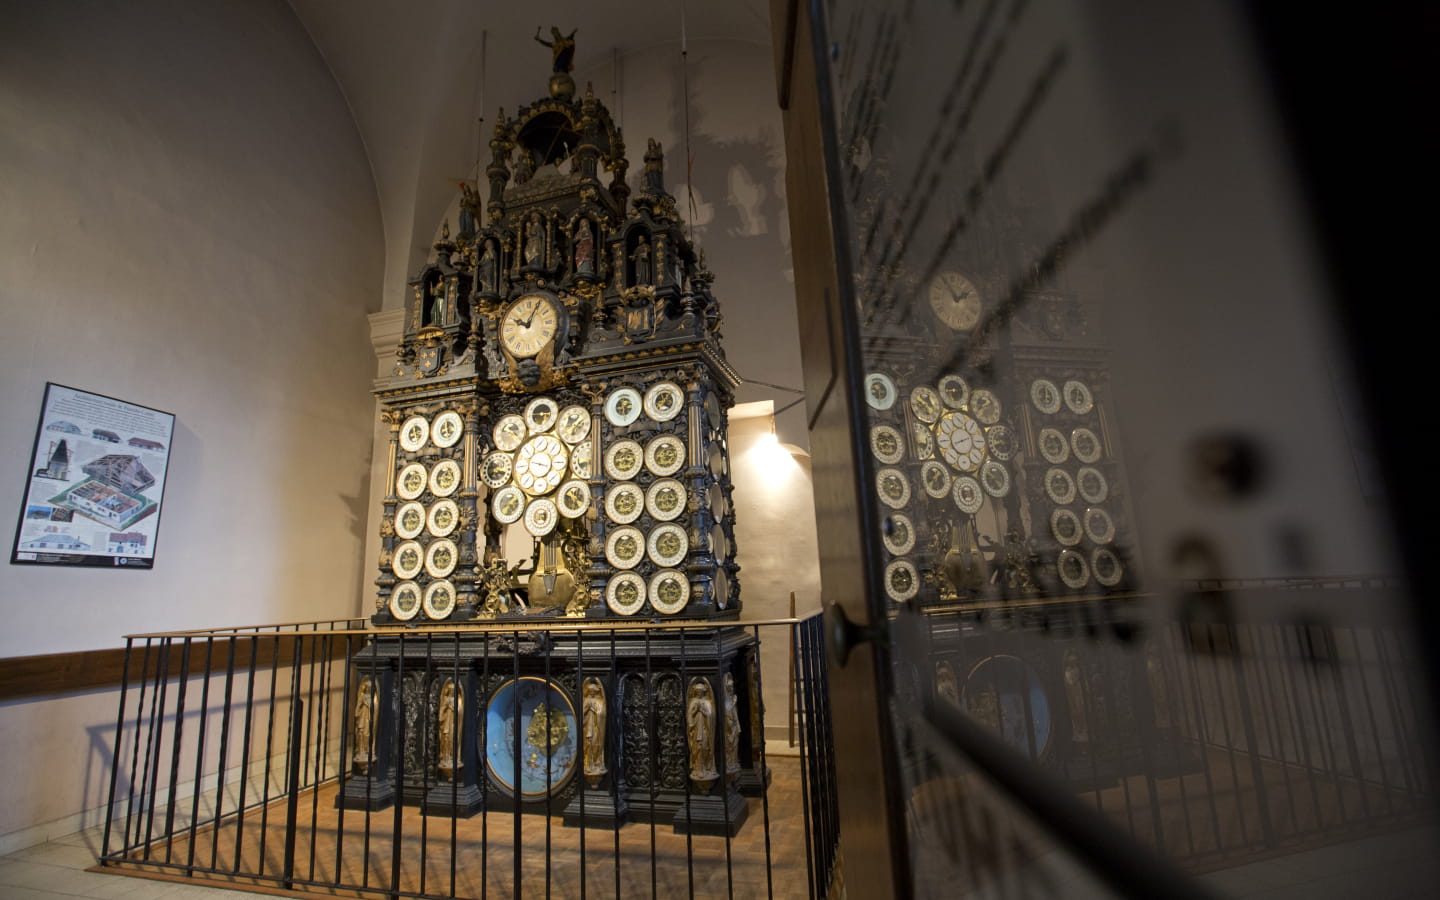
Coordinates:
x,y
480,124
689,157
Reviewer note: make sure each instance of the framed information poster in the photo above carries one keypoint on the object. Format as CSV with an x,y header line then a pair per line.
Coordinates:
x,y
95,482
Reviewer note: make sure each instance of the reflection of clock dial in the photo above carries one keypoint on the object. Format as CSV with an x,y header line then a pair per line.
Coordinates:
x,y
444,518
409,520
624,503
508,504
954,391
901,580
1099,527
441,558
495,470
1053,446
924,440
879,391
405,601
573,498
440,600
625,593
623,460
1086,444
448,429
1045,396
935,479
663,401
667,545
669,591
985,407
898,534
1073,570
623,406
1078,397
1106,565
414,433
925,404
411,481
885,443
528,325
1093,486
665,455
574,424
509,432
580,460
1059,486
625,547
445,478
962,443
540,465
541,517
955,301
540,414
408,560
967,495
995,478
665,500
1000,442
893,487
1065,525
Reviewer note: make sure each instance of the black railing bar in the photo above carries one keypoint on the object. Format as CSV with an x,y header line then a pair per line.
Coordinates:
x,y
269,747
1329,753
1310,696
1202,733
200,756
1223,710
615,770
758,715
1111,857
1347,726
1290,715
806,753
461,714
518,793
322,738
1175,695
1421,736
293,760
1292,694
1385,785
245,755
1397,716
223,754
1149,729
136,774
427,723
345,767
652,720
373,767
722,716
1092,728
397,831
583,747
550,775
483,777
1270,714
1248,723
157,716
115,753
483,627
685,727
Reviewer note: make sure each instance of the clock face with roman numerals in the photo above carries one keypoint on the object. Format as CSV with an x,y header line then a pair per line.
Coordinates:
x,y
528,325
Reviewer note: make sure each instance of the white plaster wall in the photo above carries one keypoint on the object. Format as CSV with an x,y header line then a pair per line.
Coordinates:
x,y
187,221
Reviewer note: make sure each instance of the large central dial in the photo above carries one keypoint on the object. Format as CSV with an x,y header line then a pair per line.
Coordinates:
x,y
961,441
528,325
540,465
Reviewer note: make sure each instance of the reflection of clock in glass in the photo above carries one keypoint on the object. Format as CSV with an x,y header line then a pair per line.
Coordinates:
x,y
408,559
1078,397
1000,442
1093,486
622,406
668,544
411,481
898,533
1086,444
886,445
954,391
414,433
573,498
669,591
445,479
624,503
540,465
449,428
1053,446
924,440
405,601
623,460
967,495
540,414
444,518
901,580
574,424
935,479
441,558
580,460
625,547
925,403
1065,525
541,517
1059,486
440,600
995,478
507,505
495,470
1106,564
985,407
879,391
528,325
1045,396
665,500
962,443
409,520
509,432
893,487
665,455
663,401
955,301
1073,570
625,593
1099,527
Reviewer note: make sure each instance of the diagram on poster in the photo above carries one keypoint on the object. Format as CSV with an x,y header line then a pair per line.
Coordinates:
x,y
96,482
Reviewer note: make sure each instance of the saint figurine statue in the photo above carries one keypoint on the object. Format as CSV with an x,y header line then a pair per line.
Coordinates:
x,y
945,687
532,240
732,727
562,46
641,259
592,721
365,704
452,707
487,267
584,248
700,730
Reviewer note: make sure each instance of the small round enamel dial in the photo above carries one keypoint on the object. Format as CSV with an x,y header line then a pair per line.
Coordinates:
x,y
925,404
667,544
669,591
409,520
574,424
967,494
528,325
448,429
540,465
573,498
1093,486
665,500
985,407
1045,395
1065,525
954,391
924,440
508,504
1053,446
624,503
1107,567
509,432
1000,442
902,581
1086,444
405,601
898,534
664,401
414,433
625,547
961,440
580,460
444,518
540,414
439,599
1078,398
880,391
893,487
1073,570
624,460
445,478
625,593
995,478
955,301
411,481
408,560
1059,486
623,406
541,517
1099,527
495,470
665,455
935,479
441,558
886,444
